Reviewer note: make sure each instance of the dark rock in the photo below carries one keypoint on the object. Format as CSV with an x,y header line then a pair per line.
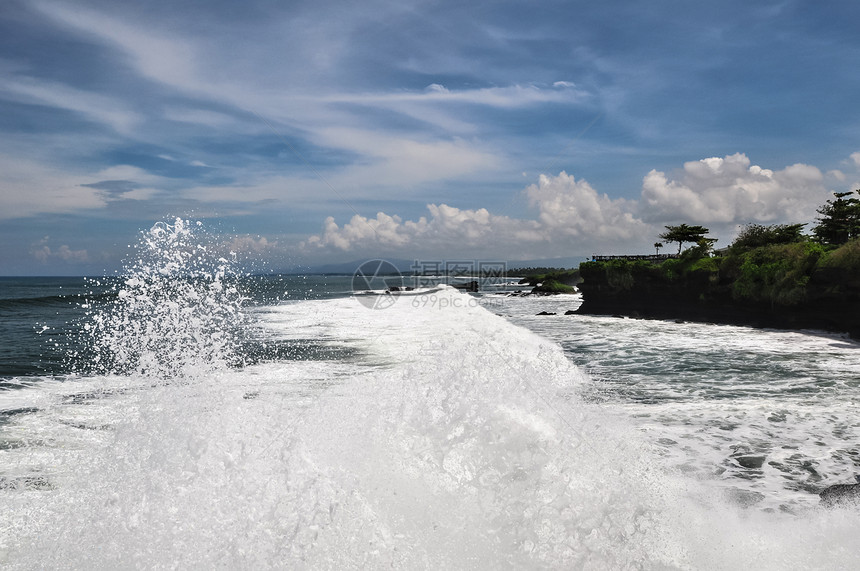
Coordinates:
x,y
468,286
751,462
840,494
570,312
643,290
545,313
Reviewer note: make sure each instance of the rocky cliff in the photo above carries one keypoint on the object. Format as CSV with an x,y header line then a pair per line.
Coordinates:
x,y
797,286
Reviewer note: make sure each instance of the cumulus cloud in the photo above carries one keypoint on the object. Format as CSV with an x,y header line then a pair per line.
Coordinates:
x,y
44,253
730,190
572,207
445,225
855,158
571,217
246,244
570,214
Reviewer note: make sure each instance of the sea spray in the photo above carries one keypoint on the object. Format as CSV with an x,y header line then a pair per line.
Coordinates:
x,y
448,438
458,442
175,312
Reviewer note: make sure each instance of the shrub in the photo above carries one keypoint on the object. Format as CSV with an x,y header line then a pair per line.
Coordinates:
x,y
756,236
777,274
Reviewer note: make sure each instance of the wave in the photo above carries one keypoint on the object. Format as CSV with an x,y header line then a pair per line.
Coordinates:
x,y
453,439
416,435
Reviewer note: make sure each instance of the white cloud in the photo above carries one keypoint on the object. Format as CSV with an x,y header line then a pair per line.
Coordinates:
x,y
730,190
44,253
139,194
571,207
28,188
393,167
246,243
401,161
161,58
855,157
446,227
126,172
203,117
93,106
504,97
572,218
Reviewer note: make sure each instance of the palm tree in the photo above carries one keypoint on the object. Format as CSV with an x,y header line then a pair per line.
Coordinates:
x,y
657,246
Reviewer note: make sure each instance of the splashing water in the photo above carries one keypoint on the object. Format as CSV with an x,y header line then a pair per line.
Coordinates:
x,y
174,314
446,438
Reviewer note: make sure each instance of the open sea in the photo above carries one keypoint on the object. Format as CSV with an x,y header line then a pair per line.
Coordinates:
x,y
183,415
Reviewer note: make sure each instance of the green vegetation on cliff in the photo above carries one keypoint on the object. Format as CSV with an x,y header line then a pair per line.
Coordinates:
x,y
770,275
554,281
775,274
798,284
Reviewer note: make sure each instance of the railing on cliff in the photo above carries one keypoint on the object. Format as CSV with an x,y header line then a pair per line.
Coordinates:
x,y
645,257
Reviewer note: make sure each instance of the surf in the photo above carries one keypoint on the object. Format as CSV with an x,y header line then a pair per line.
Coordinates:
x,y
423,436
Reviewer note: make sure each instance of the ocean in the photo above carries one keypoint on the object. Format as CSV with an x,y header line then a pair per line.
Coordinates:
x,y
184,415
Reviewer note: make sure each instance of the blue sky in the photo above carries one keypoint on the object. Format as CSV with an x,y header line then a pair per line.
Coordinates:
x,y
313,132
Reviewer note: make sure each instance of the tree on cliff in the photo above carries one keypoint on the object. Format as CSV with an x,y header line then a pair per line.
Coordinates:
x,y
840,219
755,235
684,233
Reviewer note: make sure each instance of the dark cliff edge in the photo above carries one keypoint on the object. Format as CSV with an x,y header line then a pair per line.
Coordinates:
x,y
794,286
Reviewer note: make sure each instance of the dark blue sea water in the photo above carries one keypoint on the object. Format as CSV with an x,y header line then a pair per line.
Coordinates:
x,y
37,318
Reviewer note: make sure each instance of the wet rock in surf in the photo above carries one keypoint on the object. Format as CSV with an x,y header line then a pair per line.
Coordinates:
x,y
840,495
751,461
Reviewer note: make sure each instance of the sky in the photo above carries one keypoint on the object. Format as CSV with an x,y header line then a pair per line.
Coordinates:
x,y
309,132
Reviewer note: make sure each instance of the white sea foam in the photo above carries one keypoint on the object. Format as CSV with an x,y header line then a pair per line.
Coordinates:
x,y
452,439
443,436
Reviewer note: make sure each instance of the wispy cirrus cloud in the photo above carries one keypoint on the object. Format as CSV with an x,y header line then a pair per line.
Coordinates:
x,y
93,106
282,114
